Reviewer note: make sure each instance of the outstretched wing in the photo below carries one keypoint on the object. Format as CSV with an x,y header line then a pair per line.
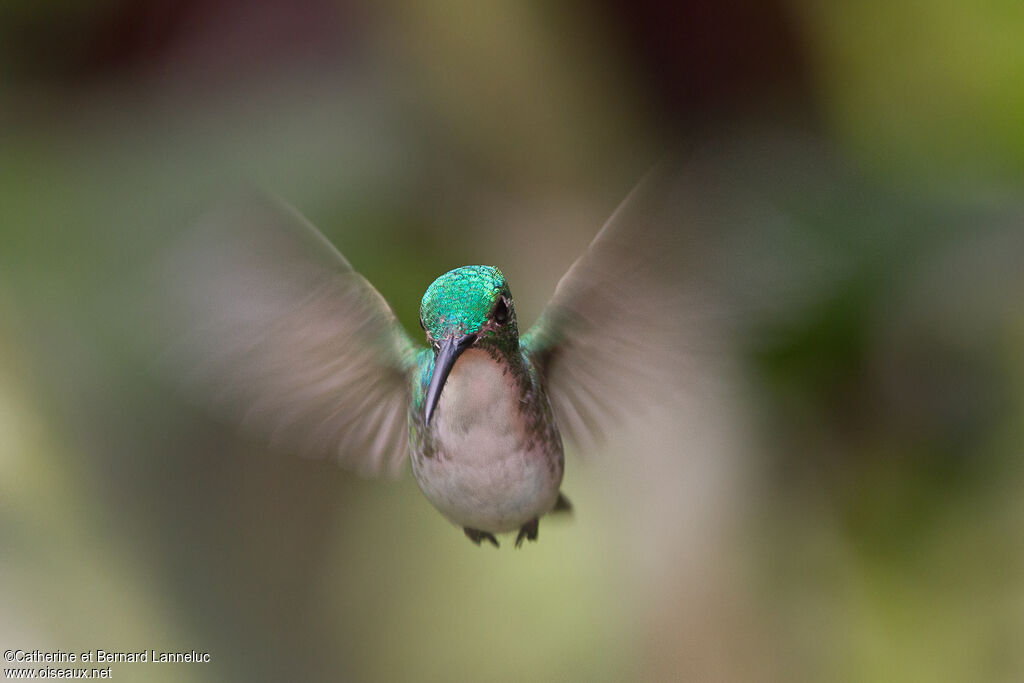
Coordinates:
x,y
612,335
271,326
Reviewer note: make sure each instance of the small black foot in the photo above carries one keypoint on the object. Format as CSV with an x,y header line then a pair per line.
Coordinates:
x,y
477,536
528,531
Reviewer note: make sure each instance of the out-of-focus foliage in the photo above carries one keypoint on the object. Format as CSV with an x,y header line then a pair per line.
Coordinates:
x,y
927,90
836,495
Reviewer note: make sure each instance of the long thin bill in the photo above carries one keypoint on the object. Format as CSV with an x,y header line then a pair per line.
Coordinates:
x,y
447,353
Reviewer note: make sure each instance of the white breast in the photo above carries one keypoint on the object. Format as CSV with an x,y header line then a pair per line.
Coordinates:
x,y
487,474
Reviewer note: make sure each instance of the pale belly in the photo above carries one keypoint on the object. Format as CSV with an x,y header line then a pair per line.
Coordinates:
x,y
488,472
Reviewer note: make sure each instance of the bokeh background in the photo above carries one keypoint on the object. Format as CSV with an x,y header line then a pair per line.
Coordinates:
x,y
835,496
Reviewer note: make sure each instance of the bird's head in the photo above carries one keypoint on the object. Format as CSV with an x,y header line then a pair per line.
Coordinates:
x,y
467,307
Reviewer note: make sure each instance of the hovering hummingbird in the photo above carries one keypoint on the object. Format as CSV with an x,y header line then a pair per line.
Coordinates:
x,y
286,337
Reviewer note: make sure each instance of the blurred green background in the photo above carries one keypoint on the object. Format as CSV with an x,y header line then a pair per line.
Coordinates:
x,y
838,494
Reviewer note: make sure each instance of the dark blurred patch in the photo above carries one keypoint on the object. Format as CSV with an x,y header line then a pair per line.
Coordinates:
x,y
204,40
699,58
884,396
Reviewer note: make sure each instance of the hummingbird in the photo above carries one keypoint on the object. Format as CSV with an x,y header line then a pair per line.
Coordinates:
x,y
281,334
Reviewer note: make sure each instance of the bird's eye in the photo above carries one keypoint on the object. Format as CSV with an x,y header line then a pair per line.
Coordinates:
x,y
500,314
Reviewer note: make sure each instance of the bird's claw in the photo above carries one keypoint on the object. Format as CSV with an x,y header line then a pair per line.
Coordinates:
x,y
528,531
477,536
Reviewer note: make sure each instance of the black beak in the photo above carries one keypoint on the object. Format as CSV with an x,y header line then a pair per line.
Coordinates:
x,y
447,353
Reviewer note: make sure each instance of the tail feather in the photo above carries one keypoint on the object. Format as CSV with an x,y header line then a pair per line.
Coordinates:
x,y
562,504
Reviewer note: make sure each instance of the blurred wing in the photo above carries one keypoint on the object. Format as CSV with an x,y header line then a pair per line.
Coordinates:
x,y
272,327
612,336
